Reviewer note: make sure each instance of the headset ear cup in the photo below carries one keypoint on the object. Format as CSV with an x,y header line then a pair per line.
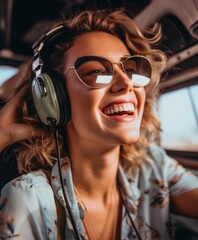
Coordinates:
x,y
63,98
50,98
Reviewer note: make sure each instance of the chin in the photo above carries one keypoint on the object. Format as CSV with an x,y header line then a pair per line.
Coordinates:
x,y
131,140
127,138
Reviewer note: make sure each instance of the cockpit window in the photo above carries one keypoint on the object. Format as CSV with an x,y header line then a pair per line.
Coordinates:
x,y
179,119
6,73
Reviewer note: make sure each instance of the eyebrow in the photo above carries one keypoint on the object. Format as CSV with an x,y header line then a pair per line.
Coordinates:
x,y
121,56
118,57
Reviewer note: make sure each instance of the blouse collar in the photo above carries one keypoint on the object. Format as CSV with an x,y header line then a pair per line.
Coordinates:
x,y
128,188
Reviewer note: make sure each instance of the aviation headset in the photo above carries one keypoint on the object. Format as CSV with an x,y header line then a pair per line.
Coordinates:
x,y
51,100
52,105
48,88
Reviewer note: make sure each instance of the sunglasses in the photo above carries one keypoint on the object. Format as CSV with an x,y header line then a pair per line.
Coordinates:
x,y
98,72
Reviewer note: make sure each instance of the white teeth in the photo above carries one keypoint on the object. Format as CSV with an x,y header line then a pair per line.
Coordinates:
x,y
120,109
116,109
125,107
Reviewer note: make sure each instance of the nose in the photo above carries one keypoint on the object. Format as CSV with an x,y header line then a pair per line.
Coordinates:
x,y
120,81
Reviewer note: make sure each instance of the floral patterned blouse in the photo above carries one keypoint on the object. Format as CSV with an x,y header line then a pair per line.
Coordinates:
x,y
28,210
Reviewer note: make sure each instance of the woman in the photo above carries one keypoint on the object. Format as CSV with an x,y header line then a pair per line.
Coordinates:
x,y
119,183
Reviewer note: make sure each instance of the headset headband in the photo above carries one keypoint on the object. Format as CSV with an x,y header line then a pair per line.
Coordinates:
x,y
38,47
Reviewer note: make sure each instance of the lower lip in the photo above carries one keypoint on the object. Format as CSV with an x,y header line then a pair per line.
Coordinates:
x,y
122,118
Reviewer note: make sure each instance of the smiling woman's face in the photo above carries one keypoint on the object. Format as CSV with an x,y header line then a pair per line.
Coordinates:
x,y
110,115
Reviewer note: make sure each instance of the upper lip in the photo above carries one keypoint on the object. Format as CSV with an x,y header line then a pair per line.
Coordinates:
x,y
119,101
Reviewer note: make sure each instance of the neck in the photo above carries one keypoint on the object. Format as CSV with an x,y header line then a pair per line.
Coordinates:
x,y
94,168
94,165
96,176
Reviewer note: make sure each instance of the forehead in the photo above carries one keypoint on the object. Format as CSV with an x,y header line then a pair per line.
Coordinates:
x,y
97,44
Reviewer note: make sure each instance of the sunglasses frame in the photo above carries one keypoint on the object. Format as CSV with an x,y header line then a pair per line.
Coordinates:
x,y
121,63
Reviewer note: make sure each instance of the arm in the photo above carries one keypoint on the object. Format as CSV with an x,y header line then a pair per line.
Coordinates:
x,y
186,204
27,209
183,191
12,131
182,184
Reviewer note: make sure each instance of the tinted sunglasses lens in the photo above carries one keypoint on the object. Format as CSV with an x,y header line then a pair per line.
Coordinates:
x,y
94,72
139,70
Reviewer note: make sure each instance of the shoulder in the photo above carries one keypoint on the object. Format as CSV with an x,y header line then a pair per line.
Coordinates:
x,y
30,190
158,160
159,155
26,183
26,202
164,164
162,170
160,167
27,190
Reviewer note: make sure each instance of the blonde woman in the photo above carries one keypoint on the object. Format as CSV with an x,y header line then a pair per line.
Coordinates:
x,y
116,183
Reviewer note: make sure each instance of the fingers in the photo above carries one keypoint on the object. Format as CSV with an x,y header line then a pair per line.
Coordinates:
x,y
7,89
11,108
20,94
10,130
23,131
16,133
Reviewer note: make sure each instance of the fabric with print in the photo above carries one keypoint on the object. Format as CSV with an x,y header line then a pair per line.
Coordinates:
x,y
28,210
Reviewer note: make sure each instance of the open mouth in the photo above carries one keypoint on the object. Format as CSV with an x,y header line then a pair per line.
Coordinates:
x,y
119,109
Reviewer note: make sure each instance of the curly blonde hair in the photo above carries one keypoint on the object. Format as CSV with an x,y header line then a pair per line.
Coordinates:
x,y
39,152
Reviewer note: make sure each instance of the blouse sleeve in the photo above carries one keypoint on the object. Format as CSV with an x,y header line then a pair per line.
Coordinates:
x,y
178,179
27,209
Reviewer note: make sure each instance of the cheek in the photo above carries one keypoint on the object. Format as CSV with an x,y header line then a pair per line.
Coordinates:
x,y
78,103
141,96
84,104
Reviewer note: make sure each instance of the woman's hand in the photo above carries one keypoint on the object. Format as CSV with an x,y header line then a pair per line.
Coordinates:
x,y
11,131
